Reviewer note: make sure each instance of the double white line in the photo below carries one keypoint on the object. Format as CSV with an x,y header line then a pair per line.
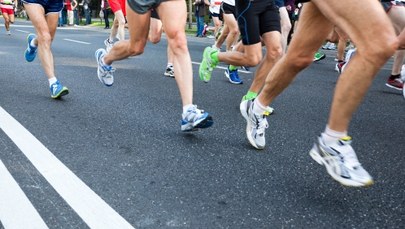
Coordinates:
x,y
16,211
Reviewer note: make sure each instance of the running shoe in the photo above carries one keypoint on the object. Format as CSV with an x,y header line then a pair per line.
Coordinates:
x,y
194,119
341,162
104,72
349,54
403,73
328,46
255,124
339,67
246,68
169,72
396,83
108,44
332,46
31,52
58,90
207,64
319,56
8,32
233,76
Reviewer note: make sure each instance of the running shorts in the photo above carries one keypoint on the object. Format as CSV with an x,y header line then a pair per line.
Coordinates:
x,y
256,18
50,6
118,5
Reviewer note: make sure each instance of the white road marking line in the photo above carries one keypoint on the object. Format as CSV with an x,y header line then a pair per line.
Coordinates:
x,y
76,41
22,31
198,63
16,210
94,211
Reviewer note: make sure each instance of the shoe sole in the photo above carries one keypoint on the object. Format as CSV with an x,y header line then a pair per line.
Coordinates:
x,y
349,183
322,57
202,124
62,93
25,56
168,75
249,128
393,87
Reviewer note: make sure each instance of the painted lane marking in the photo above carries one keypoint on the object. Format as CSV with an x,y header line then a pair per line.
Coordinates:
x,y
16,210
94,211
76,41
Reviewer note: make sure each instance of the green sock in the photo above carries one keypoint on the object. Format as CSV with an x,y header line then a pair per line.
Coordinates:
x,y
214,57
231,67
249,95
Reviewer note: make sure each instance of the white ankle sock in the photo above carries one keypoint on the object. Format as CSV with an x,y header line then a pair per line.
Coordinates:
x,y
258,108
330,136
52,80
186,107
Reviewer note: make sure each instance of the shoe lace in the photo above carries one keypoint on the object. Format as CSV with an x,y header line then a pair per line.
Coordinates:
x,y
108,69
261,123
349,156
234,74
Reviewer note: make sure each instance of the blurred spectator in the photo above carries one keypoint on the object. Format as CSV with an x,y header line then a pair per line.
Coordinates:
x,y
87,11
105,7
200,12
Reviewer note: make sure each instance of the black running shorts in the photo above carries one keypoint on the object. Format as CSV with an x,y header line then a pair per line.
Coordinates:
x,y
143,6
256,18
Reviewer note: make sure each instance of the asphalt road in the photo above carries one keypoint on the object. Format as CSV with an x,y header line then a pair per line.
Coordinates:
x,y
116,155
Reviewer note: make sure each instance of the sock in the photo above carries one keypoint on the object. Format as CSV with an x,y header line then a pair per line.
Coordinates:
x,y
52,80
186,107
393,77
214,57
232,68
250,95
258,108
330,136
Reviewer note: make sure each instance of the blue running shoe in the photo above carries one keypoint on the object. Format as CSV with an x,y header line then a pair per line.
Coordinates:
x,y
104,72
31,52
195,118
58,90
233,76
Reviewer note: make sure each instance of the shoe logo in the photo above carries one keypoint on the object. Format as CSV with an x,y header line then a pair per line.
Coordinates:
x,y
54,88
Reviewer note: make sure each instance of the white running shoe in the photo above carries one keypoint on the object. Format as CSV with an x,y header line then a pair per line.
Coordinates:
x,y
341,162
104,72
194,119
169,72
255,124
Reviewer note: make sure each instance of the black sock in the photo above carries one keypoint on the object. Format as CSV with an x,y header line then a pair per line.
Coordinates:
x,y
393,77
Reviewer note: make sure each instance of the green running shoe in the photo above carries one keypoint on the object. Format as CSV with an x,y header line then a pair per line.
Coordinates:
x,y
319,56
207,64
